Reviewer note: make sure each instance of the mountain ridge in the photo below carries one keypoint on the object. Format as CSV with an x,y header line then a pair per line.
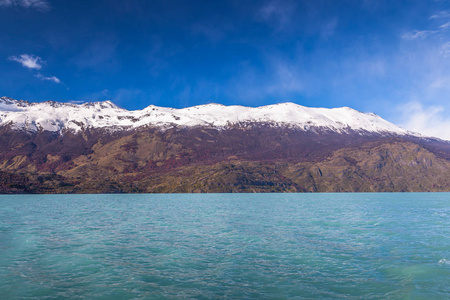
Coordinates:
x,y
57,116
251,155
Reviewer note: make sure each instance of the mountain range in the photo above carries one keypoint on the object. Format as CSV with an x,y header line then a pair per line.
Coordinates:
x,y
98,147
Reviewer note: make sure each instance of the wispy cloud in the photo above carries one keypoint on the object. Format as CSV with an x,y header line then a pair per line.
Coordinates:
x,y
100,54
441,14
440,82
211,32
280,13
76,101
282,78
35,63
445,26
28,61
445,49
287,78
422,34
124,95
431,121
97,96
328,28
418,34
50,78
438,37
42,5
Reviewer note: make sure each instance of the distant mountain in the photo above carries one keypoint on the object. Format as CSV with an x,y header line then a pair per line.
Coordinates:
x,y
60,117
54,147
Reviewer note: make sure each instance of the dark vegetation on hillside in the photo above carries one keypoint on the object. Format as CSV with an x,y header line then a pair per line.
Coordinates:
x,y
256,158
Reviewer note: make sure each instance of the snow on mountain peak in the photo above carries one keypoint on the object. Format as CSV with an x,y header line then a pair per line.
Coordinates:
x,y
100,104
57,116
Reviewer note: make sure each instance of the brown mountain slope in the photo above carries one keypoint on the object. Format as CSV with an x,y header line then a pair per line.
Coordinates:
x,y
241,159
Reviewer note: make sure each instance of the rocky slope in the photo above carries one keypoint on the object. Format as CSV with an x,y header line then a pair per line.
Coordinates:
x,y
54,147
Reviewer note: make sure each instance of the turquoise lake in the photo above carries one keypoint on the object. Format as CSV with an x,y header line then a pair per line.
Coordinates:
x,y
225,246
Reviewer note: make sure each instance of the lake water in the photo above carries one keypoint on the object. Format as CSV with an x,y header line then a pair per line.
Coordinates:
x,y
209,246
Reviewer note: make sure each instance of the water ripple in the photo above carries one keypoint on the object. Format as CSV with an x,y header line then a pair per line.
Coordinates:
x,y
335,246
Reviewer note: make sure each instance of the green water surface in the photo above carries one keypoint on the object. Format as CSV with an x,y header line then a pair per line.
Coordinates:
x,y
225,246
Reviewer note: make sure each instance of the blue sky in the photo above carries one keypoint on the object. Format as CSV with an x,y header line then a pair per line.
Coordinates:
x,y
387,57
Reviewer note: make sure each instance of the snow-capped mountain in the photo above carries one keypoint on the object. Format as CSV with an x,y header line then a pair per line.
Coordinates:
x,y
98,147
57,117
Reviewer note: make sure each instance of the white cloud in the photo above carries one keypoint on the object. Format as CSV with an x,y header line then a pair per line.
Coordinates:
x,y
445,26
439,34
445,49
77,101
417,34
33,62
36,4
430,121
28,61
440,83
441,14
50,78
422,34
